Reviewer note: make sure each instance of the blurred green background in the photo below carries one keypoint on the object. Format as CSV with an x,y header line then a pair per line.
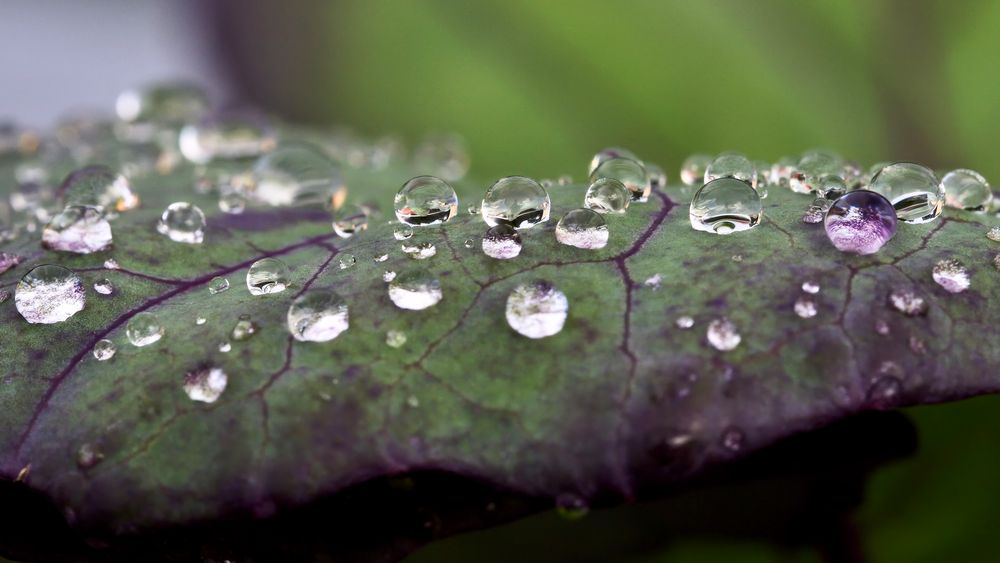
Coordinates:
x,y
537,87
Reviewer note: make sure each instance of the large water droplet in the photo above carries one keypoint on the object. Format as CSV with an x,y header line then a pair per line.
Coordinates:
x,y
350,220
502,242
725,206
604,155
813,166
967,189
182,222
583,228
49,294
318,315
630,172
415,290
99,186
830,187
913,190
205,385
722,335
226,135
537,309
860,222
516,201
217,285
693,169
607,195
425,200
732,165
104,350
267,276
78,229
908,302
297,174
144,329
951,275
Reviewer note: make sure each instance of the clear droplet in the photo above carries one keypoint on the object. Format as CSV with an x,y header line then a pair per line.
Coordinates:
x,y
388,276
88,456
395,338
217,285
951,275
860,222
813,166
604,155
99,186
516,201
882,327
206,384
805,307
49,294
111,264
380,258
425,200
993,234
402,232
4,295
733,439
346,261
419,250
297,174
226,135
537,309
8,261
104,287
415,290
583,228
350,220
908,302
884,392
571,506
444,155
501,242
653,282
469,243
732,165
781,171
656,176
166,103
722,335
607,195
913,190
104,350
78,229
830,187
725,206
630,172
144,329
967,189
996,261
243,329
267,276
810,286
232,202
684,322
200,320
182,222
318,315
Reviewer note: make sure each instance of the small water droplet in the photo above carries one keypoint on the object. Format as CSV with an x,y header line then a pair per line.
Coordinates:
x,y
996,261
722,335
607,154
810,286
267,276
205,385
415,290
472,210
469,243
4,295
967,189
225,347
656,176
884,392
200,321
49,294
350,220
860,222
732,165
403,232
882,327
380,258
232,202
993,234
419,250
395,338
88,456
813,214
571,506
516,201
733,439
226,135
607,195
425,200
693,169
653,282
913,190
830,187
111,264
104,287
169,103
318,315
412,401
684,322
217,285
501,242
630,172
243,329
182,222
388,276
104,350
346,261
537,309
725,206
805,307
144,329
908,302
813,166
951,275
79,229
8,261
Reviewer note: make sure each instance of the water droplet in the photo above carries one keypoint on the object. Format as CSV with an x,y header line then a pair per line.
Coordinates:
x,y
419,250
402,232
395,338
111,264
346,261
684,322
814,214
243,329
907,301
732,165
653,282
225,347
232,202
99,186
167,103
472,210
380,258
733,439
49,294
144,329
217,285
805,307
415,290
104,350
226,135
882,327
88,456
318,315
501,242
607,195
913,190
583,228
182,222
8,261
604,155
297,174
4,295
267,276
630,172
725,206
388,276
722,335
425,200
860,222
350,220
830,187
996,261
810,286
571,506
884,392
205,385
78,229
813,166
412,401
993,234
516,201
104,287
951,275
781,171
693,169
967,189
444,155
656,176
537,309
200,321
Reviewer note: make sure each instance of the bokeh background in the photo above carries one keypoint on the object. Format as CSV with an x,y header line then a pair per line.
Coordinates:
x,y
537,87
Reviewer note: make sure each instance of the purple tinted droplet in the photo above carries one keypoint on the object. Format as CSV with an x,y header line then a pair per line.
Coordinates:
x,y
860,222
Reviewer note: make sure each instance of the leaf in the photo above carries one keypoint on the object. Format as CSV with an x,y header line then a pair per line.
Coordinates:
x,y
620,402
